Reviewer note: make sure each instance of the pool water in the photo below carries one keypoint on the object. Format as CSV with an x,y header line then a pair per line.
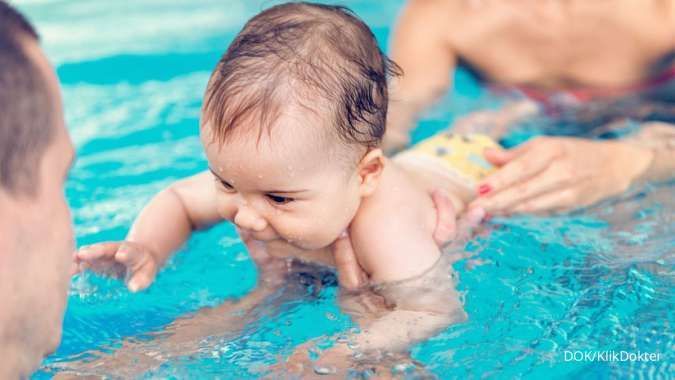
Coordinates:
x,y
133,74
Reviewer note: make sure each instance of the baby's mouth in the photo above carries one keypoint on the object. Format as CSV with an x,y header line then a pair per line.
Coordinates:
x,y
263,235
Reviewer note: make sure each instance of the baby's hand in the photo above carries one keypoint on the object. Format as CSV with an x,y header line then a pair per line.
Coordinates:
x,y
131,261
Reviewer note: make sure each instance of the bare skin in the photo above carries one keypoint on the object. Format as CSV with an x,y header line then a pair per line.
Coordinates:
x,y
34,273
183,336
548,46
291,198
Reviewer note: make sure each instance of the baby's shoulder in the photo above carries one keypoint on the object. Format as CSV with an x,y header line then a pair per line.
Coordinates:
x,y
397,201
396,220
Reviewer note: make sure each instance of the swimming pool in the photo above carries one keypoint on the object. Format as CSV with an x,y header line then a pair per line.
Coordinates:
x,y
133,76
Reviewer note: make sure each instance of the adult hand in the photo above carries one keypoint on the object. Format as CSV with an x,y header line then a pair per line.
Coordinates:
x,y
556,174
448,228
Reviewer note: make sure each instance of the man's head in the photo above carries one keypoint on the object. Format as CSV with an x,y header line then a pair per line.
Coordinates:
x,y
36,242
293,117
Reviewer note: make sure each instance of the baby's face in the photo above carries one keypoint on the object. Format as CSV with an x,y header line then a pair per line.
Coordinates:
x,y
290,184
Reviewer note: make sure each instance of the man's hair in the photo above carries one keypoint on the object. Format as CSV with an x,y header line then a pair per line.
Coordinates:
x,y
315,56
25,106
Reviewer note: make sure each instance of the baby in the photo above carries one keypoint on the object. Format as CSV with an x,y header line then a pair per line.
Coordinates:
x,y
293,117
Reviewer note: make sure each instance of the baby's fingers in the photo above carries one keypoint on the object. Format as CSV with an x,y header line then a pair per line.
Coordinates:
x,y
75,266
97,251
140,264
143,276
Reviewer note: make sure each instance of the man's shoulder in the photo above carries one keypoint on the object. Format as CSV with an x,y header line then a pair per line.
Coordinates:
x,y
447,10
437,18
436,4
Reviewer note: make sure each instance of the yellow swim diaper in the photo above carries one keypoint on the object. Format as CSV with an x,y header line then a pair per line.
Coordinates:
x,y
461,155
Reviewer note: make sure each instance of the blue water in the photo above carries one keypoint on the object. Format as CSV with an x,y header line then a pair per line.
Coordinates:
x,y
133,74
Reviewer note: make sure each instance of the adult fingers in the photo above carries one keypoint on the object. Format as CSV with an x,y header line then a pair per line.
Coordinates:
x,y
350,274
557,200
470,220
530,163
499,156
466,225
505,200
445,217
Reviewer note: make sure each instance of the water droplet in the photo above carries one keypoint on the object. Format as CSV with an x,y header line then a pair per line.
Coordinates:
x,y
327,370
401,368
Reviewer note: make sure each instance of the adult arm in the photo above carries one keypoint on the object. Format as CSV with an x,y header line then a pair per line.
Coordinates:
x,y
420,47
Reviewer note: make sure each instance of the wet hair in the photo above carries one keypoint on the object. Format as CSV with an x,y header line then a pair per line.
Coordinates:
x,y
322,58
25,106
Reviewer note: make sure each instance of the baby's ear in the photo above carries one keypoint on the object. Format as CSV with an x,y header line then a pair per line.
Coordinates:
x,y
370,169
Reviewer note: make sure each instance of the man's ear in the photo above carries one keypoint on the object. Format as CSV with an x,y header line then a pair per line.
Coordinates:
x,y
370,170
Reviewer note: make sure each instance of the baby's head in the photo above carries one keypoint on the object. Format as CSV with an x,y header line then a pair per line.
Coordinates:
x,y
293,117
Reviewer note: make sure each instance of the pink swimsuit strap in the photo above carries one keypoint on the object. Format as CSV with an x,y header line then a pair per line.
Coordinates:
x,y
587,94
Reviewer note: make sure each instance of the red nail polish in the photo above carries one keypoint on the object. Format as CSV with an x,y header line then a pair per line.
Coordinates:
x,y
484,189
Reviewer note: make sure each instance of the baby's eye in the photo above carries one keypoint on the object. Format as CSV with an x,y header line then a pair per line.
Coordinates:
x,y
225,185
279,200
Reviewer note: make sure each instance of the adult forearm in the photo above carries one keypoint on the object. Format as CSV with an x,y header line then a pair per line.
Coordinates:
x,y
658,140
399,330
662,166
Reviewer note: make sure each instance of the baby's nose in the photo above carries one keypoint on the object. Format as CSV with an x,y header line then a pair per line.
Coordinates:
x,y
248,219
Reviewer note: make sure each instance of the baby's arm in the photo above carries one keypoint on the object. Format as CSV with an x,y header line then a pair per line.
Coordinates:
x,y
395,245
172,215
187,335
393,241
160,229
